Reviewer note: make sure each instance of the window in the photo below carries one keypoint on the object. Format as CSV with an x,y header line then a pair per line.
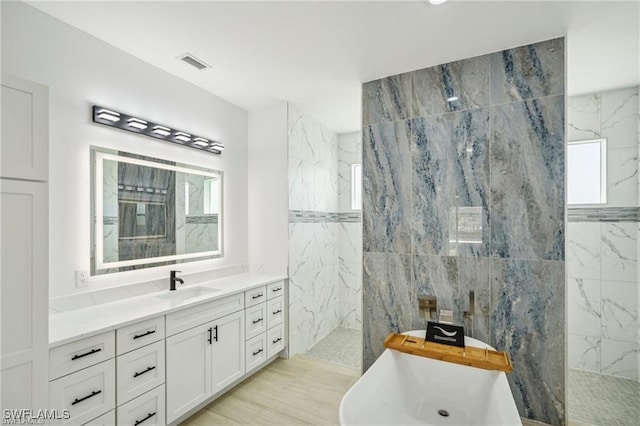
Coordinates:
x,y
356,186
587,172
211,196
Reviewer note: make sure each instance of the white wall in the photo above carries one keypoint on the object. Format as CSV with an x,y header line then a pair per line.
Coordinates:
x,y
268,196
81,70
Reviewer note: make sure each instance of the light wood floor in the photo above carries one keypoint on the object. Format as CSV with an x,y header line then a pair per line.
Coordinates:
x,y
301,390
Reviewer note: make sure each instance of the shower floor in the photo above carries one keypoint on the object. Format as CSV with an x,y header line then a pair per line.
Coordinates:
x,y
597,399
341,346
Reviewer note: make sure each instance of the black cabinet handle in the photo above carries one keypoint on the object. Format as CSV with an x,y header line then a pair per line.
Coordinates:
x,y
255,296
257,352
79,400
137,336
277,340
257,321
277,312
143,372
210,335
145,419
276,289
216,336
91,352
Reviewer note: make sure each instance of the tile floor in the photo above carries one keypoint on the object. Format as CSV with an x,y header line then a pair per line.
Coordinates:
x,y
342,346
597,399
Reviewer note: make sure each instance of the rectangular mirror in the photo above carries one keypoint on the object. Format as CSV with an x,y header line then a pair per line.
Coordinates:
x,y
149,212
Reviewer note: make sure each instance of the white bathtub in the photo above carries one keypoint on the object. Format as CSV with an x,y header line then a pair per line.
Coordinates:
x,y
403,389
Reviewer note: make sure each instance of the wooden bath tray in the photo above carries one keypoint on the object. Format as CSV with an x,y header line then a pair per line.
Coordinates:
x,y
470,355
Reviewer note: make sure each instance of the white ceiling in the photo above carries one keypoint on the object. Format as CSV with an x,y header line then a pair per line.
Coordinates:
x,y
317,54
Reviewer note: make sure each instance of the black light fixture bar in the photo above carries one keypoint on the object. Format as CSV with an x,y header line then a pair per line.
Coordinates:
x,y
119,120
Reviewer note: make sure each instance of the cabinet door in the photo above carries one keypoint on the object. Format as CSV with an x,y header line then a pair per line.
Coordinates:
x,y
24,331
227,350
188,358
25,129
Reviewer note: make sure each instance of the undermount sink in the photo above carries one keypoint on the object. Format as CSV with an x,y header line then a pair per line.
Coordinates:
x,y
188,294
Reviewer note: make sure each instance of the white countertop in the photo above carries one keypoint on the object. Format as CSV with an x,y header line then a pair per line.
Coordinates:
x,y
68,326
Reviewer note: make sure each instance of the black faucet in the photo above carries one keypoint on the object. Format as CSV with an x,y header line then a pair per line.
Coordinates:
x,y
173,279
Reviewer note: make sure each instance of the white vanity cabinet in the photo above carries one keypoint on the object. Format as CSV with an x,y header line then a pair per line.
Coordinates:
x,y
157,371
203,360
265,324
83,377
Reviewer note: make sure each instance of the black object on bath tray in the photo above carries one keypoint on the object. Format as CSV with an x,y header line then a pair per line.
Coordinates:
x,y
445,334
471,356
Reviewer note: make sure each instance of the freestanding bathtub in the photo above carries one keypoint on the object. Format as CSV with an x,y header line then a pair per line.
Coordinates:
x,y
403,389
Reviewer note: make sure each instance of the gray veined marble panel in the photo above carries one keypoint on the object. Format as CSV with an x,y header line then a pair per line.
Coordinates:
x,y
386,208
388,300
528,72
387,99
450,159
527,175
528,322
474,274
454,86
435,276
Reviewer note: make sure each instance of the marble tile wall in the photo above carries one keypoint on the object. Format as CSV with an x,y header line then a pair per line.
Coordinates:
x,y
602,256
463,171
612,115
324,245
349,235
314,309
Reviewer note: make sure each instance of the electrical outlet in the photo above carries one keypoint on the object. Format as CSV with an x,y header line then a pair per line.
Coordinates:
x,y
82,279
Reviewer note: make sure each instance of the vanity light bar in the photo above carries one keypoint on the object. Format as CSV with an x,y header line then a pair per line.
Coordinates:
x,y
119,120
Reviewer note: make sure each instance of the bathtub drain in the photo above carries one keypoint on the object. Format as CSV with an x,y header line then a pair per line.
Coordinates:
x,y
443,413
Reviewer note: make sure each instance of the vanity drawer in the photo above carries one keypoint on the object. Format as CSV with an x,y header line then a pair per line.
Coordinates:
x,y
255,296
275,311
145,410
87,394
275,289
140,334
255,320
193,317
81,354
108,419
256,351
275,340
140,371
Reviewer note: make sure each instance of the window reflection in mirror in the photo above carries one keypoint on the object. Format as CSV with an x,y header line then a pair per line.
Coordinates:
x,y
150,212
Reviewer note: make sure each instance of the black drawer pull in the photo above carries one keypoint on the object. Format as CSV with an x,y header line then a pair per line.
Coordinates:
x,y
143,372
276,289
210,335
257,321
137,336
91,352
79,400
257,352
145,419
216,336
277,340
277,312
255,296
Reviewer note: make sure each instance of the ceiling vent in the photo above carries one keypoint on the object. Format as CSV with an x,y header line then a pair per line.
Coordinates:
x,y
193,61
